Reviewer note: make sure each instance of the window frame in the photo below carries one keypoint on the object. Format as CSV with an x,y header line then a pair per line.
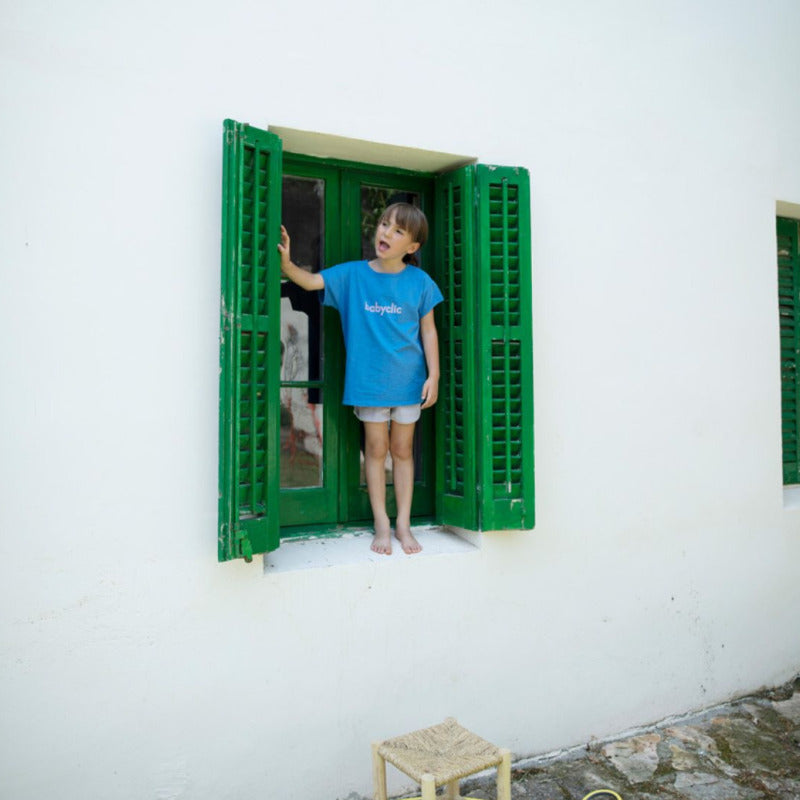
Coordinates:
x,y
343,180
489,230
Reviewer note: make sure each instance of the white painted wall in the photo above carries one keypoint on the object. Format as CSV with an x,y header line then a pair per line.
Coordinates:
x,y
663,572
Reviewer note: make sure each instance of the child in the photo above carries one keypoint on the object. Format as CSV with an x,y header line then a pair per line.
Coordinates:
x,y
386,307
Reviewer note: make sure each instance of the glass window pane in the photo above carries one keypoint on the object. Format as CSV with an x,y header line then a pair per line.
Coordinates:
x,y
301,438
301,314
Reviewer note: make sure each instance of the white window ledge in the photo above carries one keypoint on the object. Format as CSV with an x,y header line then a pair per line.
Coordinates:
x,y
791,497
354,548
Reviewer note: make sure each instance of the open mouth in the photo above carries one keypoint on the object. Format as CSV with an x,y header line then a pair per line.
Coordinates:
x,y
383,247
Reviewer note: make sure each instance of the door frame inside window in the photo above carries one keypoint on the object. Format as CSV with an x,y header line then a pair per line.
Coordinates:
x,y
343,500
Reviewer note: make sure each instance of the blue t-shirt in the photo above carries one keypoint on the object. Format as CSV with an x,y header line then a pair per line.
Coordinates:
x,y
381,312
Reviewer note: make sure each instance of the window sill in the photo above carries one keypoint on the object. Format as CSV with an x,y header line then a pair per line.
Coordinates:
x,y
353,548
791,497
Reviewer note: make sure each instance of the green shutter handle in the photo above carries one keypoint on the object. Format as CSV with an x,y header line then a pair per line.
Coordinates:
x,y
247,549
244,546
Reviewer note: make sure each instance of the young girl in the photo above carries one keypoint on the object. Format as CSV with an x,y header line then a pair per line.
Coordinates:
x,y
392,367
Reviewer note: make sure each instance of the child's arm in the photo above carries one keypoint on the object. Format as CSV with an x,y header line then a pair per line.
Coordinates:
x,y
430,346
310,281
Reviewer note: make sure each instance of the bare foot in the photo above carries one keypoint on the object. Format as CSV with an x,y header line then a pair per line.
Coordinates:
x,y
382,541
407,541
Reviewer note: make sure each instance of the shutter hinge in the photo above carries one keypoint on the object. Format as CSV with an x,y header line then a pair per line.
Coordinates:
x,y
237,131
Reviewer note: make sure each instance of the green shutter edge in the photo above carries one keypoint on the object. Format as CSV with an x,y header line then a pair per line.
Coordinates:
x,y
226,549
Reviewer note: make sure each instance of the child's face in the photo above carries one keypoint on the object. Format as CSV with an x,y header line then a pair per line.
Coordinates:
x,y
392,241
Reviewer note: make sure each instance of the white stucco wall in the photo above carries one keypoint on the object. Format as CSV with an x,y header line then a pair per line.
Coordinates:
x,y
663,572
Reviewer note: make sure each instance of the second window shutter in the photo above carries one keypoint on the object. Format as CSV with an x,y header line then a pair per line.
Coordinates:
x,y
789,309
486,469
457,407
505,363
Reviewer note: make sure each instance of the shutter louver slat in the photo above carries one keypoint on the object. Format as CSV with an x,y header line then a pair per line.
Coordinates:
x,y
505,294
506,420
454,426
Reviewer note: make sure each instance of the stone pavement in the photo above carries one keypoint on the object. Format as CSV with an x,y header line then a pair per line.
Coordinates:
x,y
745,750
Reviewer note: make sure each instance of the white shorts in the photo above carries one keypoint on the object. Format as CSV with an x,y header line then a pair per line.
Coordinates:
x,y
405,415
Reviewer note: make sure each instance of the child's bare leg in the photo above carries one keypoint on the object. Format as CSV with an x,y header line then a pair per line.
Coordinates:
x,y
402,446
376,446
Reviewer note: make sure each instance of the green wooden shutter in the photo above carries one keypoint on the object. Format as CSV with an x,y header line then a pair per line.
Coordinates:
x,y
457,428
249,343
505,361
486,472
789,309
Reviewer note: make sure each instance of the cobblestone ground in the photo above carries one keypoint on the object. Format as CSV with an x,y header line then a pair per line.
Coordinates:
x,y
748,750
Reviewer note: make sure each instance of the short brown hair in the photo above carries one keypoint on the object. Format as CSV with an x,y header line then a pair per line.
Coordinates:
x,y
411,219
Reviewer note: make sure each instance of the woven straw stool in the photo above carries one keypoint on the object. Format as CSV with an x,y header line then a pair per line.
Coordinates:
x,y
440,756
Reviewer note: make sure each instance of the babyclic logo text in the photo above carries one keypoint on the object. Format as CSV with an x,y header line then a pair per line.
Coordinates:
x,y
376,308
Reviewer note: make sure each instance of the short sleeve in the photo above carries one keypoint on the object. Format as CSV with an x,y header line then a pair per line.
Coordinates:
x,y
335,290
431,296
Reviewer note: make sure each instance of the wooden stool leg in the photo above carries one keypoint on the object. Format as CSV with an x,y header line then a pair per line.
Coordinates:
x,y
504,776
428,787
378,772
453,791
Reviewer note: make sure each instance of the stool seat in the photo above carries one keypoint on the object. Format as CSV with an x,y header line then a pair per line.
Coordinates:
x,y
441,754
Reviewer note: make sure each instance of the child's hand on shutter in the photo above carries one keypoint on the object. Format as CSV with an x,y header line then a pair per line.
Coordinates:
x,y
284,247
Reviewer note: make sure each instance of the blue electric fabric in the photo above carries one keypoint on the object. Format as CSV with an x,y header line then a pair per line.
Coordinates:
x,y
380,313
